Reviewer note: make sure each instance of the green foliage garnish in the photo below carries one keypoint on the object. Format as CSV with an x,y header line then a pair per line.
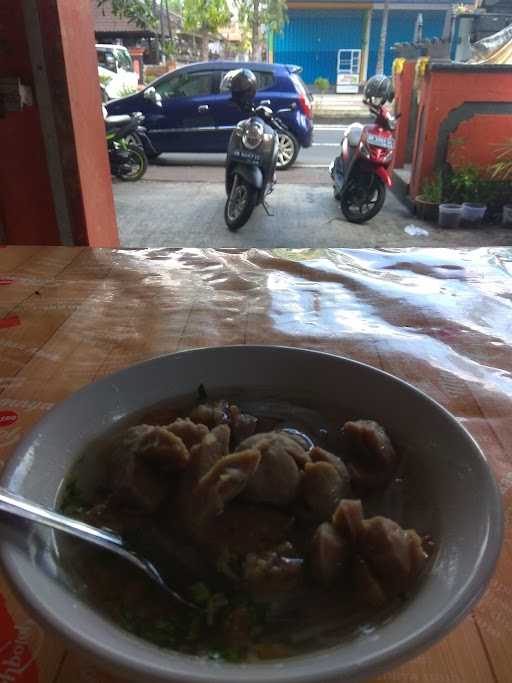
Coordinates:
x,y
227,654
73,502
200,593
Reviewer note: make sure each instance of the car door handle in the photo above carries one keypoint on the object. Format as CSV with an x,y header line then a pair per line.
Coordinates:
x,y
201,109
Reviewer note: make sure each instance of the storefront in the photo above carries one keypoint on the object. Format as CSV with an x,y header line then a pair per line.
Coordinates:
x,y
317,31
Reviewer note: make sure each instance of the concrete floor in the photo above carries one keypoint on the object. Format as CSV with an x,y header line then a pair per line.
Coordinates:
x,y
190,214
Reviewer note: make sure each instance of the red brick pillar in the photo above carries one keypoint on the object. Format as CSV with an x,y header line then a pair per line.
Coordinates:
x,y
404,88
58,179
137,54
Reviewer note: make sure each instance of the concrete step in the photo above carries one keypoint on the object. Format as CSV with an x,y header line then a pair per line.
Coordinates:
x,y
401,179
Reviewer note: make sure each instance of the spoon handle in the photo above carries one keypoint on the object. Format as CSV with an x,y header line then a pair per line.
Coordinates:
x,y
21,507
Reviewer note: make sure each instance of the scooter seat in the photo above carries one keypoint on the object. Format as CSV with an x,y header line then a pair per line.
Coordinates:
x,y
354,133
113,122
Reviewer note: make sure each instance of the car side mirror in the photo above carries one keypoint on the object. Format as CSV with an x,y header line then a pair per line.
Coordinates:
x,y
153,96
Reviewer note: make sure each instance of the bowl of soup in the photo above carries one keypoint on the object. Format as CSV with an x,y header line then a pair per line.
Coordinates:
x,y
326,520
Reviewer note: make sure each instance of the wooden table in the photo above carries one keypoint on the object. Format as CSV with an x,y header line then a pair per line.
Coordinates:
x,y
440,319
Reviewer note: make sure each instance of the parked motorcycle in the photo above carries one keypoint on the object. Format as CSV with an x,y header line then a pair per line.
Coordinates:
x,y
126,140
360,173
252,151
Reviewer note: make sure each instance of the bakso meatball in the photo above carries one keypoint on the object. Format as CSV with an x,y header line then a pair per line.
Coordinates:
x,y
204,455
330,554
373,460
274,571
348,519
203,501
190,433
211,414
243,425
394,555
157,446
140,466
277,478
318,454
388,559
323,486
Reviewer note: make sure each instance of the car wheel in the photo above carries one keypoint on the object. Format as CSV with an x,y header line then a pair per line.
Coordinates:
x,y
288,150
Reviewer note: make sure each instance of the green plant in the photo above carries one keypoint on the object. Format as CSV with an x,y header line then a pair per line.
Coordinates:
x,y
466,184
205,17
461,8
104,79
502,169
322,84
140,12
127,90
432,189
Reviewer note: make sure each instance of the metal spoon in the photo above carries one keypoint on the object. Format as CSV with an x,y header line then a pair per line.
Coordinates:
x,y
21,507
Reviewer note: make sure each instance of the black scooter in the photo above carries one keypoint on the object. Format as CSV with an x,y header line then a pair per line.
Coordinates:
x,y
251,162
127,140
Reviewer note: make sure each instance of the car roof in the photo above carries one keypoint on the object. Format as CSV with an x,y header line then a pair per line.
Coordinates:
x,y
218,65
111,46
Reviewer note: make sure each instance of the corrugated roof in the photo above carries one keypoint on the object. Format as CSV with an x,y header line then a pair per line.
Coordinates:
x,y
106,22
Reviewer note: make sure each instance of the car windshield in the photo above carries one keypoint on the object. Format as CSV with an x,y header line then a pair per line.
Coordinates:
x,y
124,60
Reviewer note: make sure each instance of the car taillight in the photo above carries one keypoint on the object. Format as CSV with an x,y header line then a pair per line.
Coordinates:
x,y
305,106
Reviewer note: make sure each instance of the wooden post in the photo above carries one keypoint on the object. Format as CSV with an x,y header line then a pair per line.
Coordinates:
x,y
57,187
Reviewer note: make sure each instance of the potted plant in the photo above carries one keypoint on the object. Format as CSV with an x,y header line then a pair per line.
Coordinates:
x,y
427,202
468,185
322,84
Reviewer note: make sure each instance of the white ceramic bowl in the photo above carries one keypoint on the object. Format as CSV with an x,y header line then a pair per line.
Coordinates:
x,y
452,483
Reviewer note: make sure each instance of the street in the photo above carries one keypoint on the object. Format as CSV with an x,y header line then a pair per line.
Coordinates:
x,y
311,165
180,203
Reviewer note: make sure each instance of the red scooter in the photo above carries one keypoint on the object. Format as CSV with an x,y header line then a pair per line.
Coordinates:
x,y
360,173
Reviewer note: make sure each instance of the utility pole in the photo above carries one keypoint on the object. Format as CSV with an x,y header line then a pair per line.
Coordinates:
x,y
383,38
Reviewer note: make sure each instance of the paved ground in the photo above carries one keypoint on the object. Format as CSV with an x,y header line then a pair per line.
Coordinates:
x,y
180,203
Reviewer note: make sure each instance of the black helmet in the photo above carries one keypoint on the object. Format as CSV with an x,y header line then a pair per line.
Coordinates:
x,y
379,90
242,84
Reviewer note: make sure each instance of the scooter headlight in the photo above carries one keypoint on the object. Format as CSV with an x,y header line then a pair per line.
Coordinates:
x,y
252,135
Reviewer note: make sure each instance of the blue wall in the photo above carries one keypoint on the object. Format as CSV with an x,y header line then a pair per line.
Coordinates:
x,y
401,30
312,38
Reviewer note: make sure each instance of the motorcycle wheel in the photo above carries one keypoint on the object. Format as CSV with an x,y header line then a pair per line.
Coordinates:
x,y
240,203
135,166
363,198
134,140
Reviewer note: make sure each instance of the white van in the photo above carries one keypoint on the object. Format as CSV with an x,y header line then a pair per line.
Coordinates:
x,y
115,66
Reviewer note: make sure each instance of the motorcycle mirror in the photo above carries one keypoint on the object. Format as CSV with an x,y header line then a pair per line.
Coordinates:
x,y
265,103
